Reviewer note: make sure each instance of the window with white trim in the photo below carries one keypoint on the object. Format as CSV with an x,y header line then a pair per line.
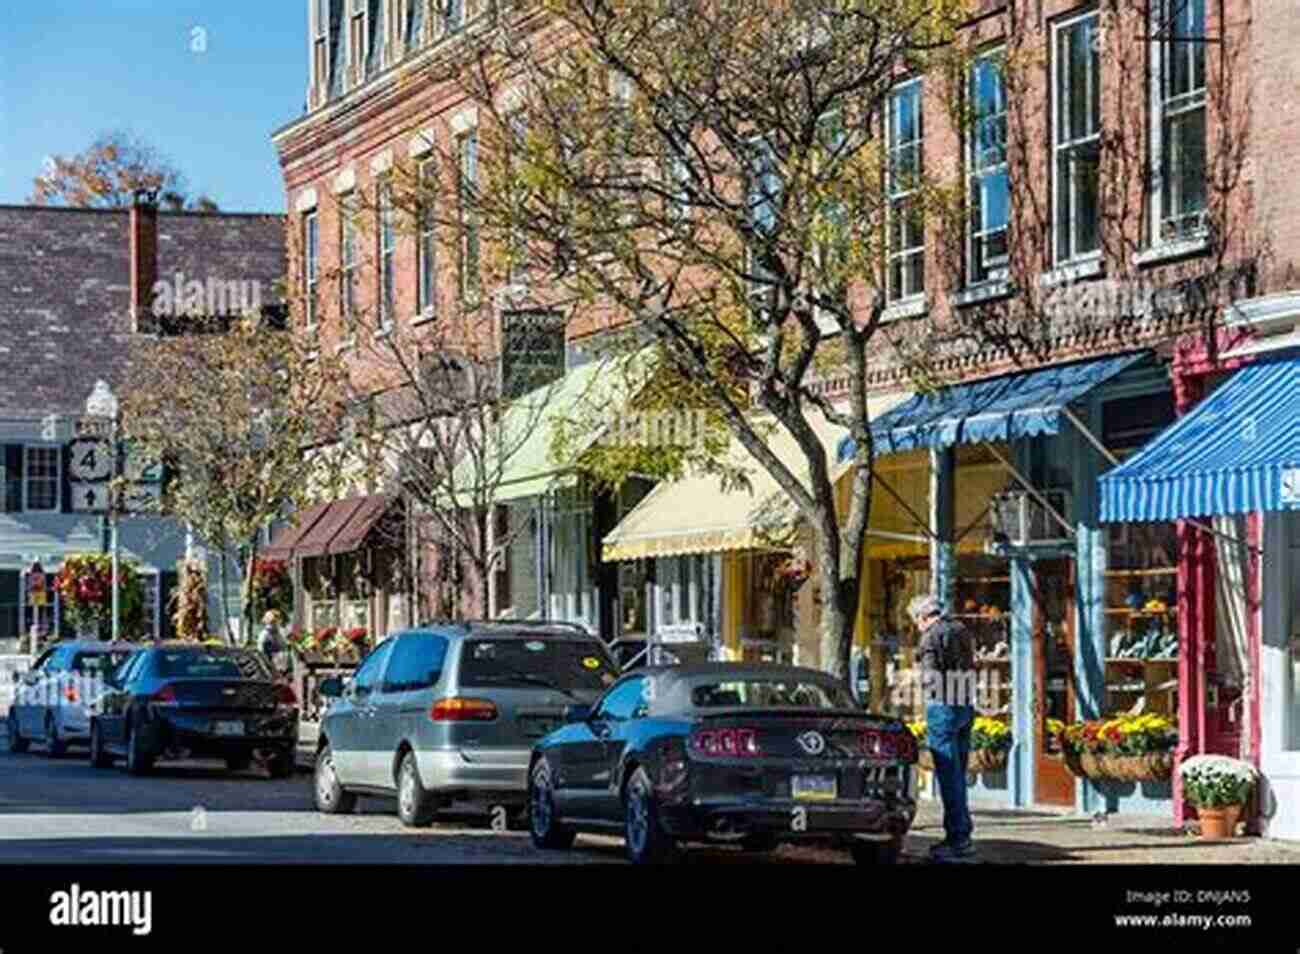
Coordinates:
x,y
357,42
387,235
42,473
320,45
347,264
311,266
1179,109
904,137
467,169
425,249
454,20
1076,136
988,185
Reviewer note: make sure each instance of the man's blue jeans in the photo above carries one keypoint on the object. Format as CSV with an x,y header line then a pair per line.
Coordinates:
x,y
947,733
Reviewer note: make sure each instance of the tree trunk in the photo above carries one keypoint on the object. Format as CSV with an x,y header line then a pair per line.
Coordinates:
x,y
840,595
225,596
247,610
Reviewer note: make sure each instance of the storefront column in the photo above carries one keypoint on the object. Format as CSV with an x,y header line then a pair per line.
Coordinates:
x,y
943,505
1091,564
1022,766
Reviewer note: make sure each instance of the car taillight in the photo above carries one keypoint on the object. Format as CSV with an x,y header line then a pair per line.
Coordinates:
x,y
284,696
164,695
731,743
70,694
889,745
463,710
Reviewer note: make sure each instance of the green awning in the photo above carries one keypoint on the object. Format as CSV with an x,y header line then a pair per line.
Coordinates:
x,y
517,459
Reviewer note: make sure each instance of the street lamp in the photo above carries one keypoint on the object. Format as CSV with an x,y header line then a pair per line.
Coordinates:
x,y
103,403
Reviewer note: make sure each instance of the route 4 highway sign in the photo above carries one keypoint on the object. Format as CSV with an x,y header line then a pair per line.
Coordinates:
x,y
90,460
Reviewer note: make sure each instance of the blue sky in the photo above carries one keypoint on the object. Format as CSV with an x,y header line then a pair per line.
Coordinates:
x,y
70,69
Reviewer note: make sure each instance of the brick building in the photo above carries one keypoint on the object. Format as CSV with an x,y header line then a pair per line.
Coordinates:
x,y
1130,205
79,287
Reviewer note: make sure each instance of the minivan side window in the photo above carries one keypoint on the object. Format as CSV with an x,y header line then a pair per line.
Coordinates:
x,y
372,667
417,662
625,701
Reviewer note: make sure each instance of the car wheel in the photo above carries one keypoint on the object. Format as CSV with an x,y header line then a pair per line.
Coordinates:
x,y
647,842
17,744
543,825
138,761
877,852
55,747
760,843
331,799
281,765
238,763
98,757
415,806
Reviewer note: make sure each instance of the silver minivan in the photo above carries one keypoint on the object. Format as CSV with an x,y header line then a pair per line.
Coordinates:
x,y
447,715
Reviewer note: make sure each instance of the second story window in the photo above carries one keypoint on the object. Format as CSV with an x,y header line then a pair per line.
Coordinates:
x,y
387,250
467,167
347,265
425,252
904,136
455,15
1180,117
311,267
986,157
41,478
1076,136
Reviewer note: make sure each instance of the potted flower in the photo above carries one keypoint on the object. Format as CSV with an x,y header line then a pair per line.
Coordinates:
x,y
1219,786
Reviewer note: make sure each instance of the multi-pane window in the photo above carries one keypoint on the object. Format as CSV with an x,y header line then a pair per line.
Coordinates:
x,y
455,15
347,264
311,266
764,199
986,159
1180,112
41,478
467,166
357,45
320,42
387,233
904,133
1076,136
425,250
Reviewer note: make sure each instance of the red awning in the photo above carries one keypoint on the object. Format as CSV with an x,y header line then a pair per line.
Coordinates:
x,y
286,540
353,535
317,541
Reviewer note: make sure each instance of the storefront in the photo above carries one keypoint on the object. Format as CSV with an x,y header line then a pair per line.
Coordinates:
x,y
1230,468
1015,549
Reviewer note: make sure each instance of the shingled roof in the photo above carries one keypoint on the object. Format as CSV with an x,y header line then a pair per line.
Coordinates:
x,y
65,299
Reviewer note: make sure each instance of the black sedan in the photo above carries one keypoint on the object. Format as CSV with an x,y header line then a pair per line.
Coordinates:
x,y
752,754
185,700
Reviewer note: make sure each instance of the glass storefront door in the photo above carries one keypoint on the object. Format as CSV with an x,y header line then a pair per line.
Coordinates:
x,y
1054,676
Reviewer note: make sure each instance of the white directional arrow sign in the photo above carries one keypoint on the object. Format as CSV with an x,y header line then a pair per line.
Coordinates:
x,y
89,498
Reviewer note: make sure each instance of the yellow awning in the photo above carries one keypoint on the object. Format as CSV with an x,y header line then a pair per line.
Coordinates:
x,y
694,515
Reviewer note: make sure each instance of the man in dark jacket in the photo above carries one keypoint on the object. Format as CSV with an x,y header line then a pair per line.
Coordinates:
x,y
946,656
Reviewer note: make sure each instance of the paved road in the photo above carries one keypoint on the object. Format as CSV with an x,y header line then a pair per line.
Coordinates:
x,y
64,811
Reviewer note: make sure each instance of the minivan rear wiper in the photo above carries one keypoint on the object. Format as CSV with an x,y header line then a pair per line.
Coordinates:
x,y
540,681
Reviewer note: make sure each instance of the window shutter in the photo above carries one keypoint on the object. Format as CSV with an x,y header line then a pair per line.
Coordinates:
x,y
65,472
12,495
167,581
9,583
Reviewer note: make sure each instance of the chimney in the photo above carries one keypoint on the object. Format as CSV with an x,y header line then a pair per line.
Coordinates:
x,y
144,259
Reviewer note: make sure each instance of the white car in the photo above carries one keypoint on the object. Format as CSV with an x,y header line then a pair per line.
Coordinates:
x,y
51,699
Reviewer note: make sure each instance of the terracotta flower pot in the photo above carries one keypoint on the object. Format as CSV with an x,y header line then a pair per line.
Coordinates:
x,y
1218,824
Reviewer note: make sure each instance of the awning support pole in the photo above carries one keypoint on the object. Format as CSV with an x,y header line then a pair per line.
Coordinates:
x,y
1030,488
1105,452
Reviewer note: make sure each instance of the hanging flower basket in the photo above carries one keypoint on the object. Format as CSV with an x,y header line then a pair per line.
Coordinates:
x,y
988,760
990,743
1126,748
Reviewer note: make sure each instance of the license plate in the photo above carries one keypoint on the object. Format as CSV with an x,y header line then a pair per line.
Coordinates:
x,y
813,787
228,728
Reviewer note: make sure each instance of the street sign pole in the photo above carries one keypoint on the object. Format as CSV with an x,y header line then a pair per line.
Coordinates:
x,y
112,522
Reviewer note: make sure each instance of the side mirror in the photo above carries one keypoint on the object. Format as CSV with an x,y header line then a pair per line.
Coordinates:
x,y
331,688
576,714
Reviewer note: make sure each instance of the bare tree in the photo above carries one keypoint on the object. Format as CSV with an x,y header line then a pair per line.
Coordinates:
x,y
712,173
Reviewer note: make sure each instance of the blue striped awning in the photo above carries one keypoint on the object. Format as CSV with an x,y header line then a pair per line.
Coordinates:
x,y
1237,451
1024,404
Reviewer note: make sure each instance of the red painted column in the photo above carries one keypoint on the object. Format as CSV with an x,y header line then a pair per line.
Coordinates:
x,y
1191,621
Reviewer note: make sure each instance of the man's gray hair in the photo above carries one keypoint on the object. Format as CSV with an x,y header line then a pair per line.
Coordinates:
x,y
923,606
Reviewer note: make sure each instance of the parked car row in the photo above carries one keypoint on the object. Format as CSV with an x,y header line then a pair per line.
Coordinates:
x,y
538,718
165,701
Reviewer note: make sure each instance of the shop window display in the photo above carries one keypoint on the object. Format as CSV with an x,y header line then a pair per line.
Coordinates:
x,y
1142,619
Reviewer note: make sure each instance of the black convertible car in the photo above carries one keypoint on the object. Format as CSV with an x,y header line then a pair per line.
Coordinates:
x,y
183,700
753,754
